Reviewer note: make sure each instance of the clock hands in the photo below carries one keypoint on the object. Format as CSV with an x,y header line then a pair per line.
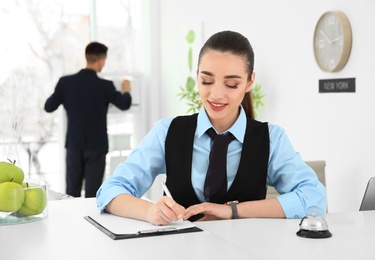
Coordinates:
x,y
328,39
325,36
335,40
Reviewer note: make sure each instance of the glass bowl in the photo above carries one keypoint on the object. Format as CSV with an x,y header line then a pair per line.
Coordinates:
x,y
25,203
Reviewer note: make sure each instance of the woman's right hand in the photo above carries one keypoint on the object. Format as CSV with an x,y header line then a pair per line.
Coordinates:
x,y
164,211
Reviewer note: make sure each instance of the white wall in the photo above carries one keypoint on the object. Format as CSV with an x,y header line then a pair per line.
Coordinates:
x,y
336,127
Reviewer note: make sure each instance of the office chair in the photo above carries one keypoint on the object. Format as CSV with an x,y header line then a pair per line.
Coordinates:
x,y
368,201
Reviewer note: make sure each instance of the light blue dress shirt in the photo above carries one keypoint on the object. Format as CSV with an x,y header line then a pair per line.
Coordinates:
x,y
301,192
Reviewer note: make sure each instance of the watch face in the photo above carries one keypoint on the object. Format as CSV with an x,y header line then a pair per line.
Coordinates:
x,y
332,40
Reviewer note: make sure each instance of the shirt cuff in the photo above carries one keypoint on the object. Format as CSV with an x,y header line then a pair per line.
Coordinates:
x,y
291,204
102,199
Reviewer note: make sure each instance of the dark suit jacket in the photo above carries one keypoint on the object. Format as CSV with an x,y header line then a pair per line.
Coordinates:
x,y
85,98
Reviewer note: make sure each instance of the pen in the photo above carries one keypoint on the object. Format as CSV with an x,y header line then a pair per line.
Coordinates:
x,y
168,193
166,190
160,230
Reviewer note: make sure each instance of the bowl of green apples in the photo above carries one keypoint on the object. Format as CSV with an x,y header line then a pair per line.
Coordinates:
x,y
21,200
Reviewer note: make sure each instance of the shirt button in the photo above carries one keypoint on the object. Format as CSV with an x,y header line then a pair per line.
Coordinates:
x,y
296,216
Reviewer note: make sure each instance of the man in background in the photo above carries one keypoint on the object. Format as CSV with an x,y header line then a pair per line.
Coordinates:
x,y
86,98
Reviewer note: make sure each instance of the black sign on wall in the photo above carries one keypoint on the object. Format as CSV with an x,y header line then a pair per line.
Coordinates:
x,y
337,85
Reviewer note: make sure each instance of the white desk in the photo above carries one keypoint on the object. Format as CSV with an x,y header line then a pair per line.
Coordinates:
x,y
64,234
353,237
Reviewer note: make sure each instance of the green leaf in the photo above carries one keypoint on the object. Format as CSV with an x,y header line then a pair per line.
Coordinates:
x,y
257,96
190,37
190,59
190,83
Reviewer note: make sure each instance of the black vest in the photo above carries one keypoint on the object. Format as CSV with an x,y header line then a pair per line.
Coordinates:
x,y
250,180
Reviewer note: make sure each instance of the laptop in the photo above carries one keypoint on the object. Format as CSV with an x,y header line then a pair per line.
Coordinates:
x,y
368,201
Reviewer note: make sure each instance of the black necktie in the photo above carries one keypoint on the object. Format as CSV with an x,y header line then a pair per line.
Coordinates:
x,y
215,185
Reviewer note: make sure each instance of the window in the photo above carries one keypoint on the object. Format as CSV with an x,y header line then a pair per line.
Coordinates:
x,y
41,41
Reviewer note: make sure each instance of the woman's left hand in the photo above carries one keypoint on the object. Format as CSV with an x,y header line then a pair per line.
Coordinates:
x,y
211,211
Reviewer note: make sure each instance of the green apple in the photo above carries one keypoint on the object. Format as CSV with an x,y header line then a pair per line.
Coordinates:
x,y
12,196
11,173
35,200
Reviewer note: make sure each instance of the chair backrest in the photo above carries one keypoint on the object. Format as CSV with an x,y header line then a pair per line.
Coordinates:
x,y
317,166
368,201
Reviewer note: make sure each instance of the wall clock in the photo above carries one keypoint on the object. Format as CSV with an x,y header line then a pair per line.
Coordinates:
x,y
332,41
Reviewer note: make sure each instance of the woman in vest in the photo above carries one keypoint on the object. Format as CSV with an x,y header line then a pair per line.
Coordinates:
x,y
206,187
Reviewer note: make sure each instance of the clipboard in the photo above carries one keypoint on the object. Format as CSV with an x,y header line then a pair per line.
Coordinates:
x,y
124,228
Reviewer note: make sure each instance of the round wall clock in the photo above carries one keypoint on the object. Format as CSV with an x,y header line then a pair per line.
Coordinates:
x,y
332,41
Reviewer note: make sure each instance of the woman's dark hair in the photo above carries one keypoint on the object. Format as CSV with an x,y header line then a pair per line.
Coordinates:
x,y
235,43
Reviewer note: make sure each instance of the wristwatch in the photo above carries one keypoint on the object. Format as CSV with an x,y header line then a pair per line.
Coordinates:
x,y
233,205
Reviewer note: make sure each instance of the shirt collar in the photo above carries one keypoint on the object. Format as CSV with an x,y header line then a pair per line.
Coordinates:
x,y
238,129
